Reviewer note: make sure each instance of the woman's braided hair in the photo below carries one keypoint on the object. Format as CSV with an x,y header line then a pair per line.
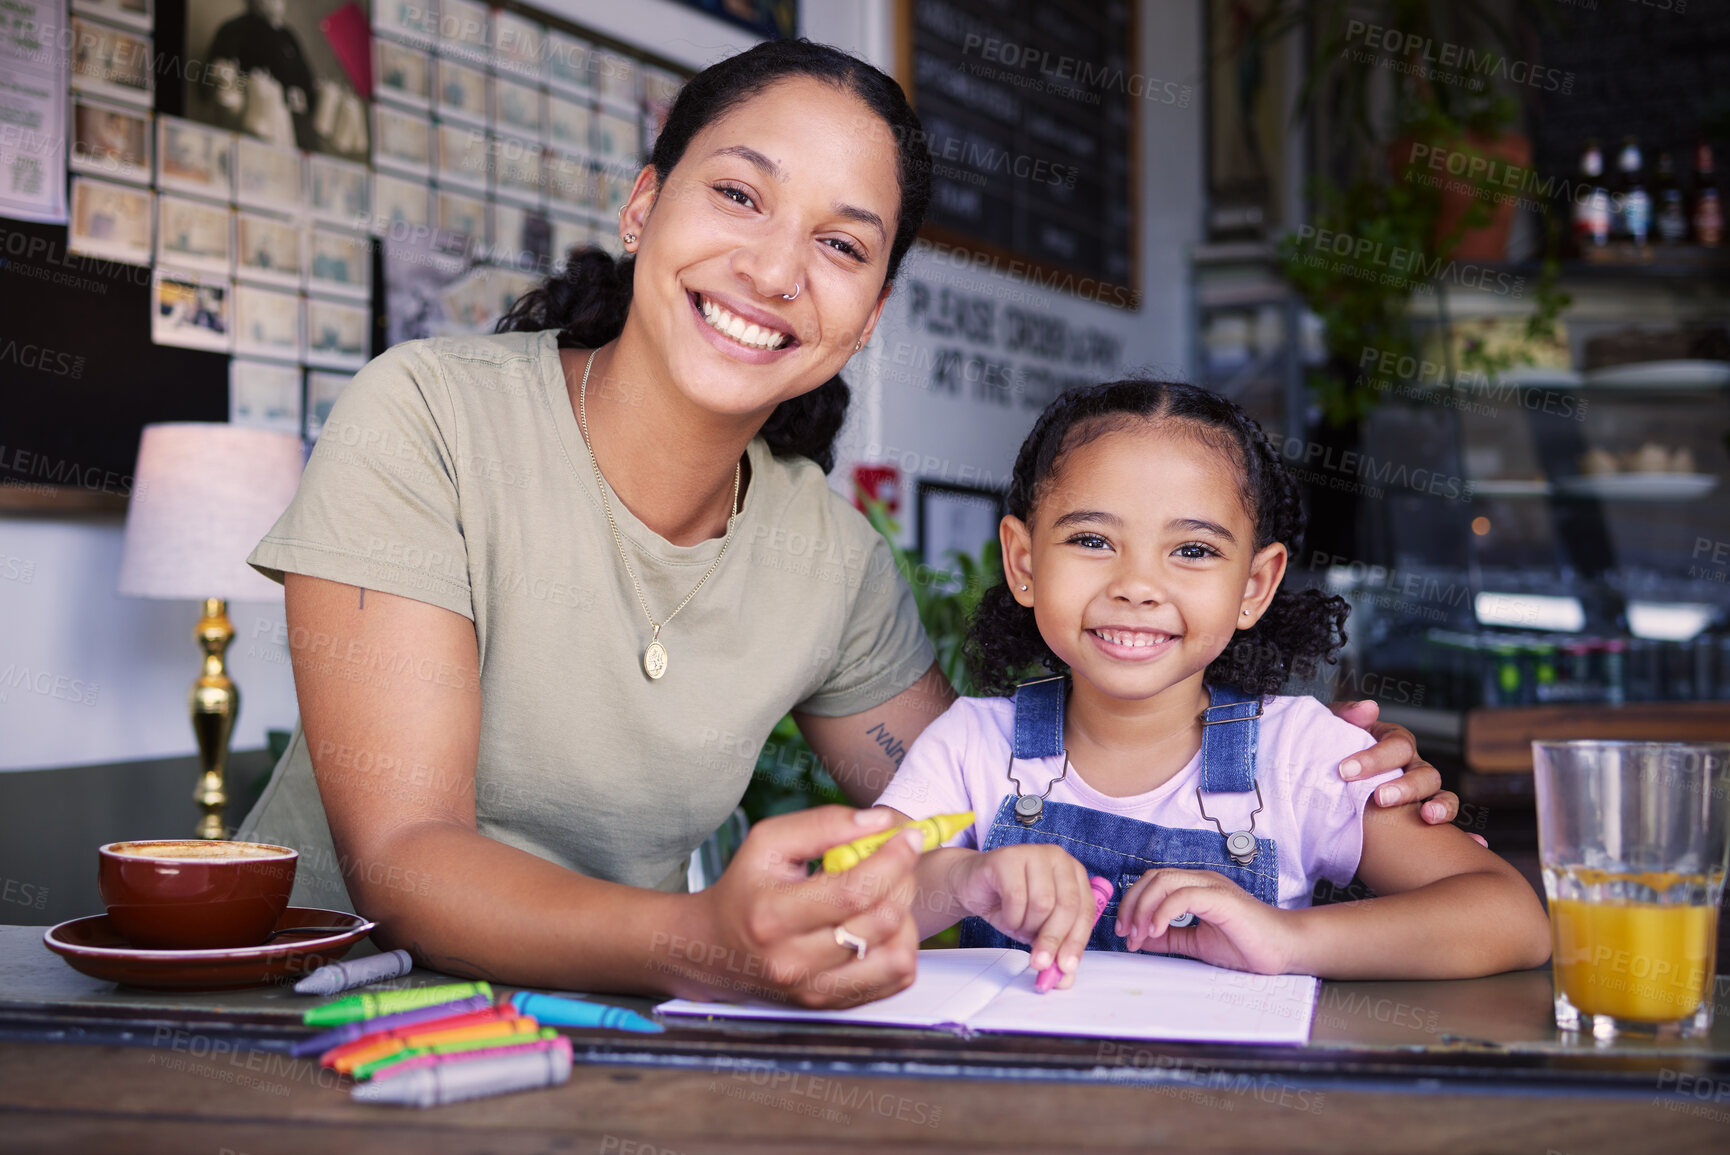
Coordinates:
x,y
1299,628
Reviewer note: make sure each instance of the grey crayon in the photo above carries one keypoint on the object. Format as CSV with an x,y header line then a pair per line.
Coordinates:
x,y
453,1082
345,976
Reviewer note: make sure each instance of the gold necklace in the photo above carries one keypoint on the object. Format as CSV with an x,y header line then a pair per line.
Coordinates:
x,y
654,654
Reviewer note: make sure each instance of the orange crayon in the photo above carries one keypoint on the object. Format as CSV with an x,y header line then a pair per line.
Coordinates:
x,y
384,1047
371,1039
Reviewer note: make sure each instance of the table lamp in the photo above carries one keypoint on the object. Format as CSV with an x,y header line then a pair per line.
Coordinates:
x,y
203,495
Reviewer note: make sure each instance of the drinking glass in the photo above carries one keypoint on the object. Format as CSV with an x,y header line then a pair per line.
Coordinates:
x,y
1631,836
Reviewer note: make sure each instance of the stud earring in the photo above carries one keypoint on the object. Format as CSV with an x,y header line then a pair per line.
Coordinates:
x,y
630,238
1024,589
859,344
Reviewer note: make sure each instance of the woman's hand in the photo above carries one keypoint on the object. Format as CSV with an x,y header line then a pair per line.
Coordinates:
x,y
1235,930
1036,894
769,927
1396,749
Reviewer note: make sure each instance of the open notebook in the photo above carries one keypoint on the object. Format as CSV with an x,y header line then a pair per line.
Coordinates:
x,y
1118,996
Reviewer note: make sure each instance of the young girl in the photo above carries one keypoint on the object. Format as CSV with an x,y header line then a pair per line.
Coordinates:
x,y
1149,528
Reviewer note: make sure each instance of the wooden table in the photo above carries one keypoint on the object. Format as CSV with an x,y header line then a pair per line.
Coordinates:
x,y
1414,1067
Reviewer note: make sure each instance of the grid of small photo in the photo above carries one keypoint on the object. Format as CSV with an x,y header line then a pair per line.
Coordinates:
x,y
499,143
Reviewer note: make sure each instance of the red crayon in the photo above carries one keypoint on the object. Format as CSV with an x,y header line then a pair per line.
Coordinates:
x,y
1051,975
449,1022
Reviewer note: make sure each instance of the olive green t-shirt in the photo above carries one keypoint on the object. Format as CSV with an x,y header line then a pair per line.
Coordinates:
x,y
452,471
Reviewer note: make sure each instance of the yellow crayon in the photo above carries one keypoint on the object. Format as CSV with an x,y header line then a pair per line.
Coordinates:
x,y
937,830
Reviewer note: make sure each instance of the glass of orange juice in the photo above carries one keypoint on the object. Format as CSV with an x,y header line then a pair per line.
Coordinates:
x,y
1632,838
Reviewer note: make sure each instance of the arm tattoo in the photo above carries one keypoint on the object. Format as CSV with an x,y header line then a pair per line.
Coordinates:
x,y
890,744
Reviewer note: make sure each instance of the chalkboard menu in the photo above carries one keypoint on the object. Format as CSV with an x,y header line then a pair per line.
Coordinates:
x,y
1030,110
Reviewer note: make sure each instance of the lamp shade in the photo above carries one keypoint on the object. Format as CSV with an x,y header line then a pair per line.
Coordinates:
x,y
203,495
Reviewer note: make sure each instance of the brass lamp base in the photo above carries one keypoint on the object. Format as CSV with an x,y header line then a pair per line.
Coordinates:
x,y
215,703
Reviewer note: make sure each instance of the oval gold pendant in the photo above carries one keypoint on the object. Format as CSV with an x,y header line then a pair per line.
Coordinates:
x,y
655,660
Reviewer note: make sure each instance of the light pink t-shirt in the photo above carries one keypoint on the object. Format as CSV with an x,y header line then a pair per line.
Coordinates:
x,y
1314,816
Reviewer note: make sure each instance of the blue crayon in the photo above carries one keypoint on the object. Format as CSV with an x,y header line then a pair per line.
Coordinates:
x,y
561,1012
348,1032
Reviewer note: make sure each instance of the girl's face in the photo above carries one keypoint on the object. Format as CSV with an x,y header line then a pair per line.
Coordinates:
x,y
795,191
1140,561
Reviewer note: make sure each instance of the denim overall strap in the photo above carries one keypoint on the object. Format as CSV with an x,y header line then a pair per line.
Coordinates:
x,y
1229,727
1039,717
1120,848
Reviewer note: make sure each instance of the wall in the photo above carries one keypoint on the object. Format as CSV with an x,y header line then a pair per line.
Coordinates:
x,y
132,661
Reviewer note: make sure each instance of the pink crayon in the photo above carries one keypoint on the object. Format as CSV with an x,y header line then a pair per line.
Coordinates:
x,y
1102,891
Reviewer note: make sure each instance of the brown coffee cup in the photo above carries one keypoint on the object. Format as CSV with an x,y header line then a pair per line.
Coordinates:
x,y
195,894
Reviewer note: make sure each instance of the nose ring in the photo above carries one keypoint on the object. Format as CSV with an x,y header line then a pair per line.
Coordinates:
x,y
794,294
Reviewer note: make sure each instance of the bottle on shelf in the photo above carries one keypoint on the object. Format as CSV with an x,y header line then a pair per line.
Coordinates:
x,y
1591,200
1633,210
1670,221
1707,216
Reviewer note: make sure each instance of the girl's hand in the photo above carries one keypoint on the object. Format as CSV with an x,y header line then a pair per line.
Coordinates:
x,y
1037,894
1235,930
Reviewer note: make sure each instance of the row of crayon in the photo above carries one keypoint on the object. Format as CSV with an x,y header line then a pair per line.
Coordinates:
x,y
426,1046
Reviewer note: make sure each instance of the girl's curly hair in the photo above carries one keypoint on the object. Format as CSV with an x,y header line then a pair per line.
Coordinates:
x,y
1299,628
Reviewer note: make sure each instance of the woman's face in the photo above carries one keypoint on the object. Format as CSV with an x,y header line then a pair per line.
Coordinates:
x,y
793,191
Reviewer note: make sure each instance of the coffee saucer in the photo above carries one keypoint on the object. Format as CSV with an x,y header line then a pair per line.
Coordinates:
x,y
92,946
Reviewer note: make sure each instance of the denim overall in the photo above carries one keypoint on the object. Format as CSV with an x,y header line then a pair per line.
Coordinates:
x,y
1122,849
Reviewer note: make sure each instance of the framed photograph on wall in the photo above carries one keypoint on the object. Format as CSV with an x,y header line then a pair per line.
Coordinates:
x,y
339,263
194,235
460,92
516,108
519,46
338,333
464,30
190,311
194,158
264,395
131,13
462,156
569,181
288,73
516,169
267,177
398,204
111,222
112,62
400,74
110,140
570,124
568,62
955,518
462,220
401,141
616,139
267,323
267,250
322,390
414,22
337,191
615,78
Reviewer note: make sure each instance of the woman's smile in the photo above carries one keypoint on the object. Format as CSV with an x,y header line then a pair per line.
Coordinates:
x,y
743,331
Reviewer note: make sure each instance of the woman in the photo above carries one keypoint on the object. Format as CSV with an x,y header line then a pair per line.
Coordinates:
x,y
532,678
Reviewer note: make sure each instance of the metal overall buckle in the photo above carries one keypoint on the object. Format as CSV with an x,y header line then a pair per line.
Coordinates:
x,y
1028,807
1239,844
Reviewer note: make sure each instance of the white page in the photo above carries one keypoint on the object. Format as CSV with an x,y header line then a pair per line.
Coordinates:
x,y
1139,996
952,987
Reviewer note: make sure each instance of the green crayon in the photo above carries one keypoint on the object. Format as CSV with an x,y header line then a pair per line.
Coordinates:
x,y
373,1004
